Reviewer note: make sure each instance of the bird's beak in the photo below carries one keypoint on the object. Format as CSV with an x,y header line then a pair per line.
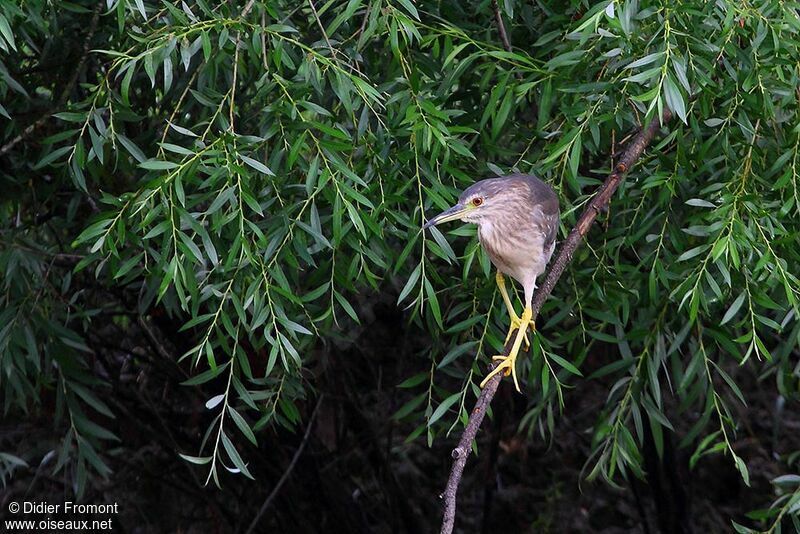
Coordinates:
x,y
456,212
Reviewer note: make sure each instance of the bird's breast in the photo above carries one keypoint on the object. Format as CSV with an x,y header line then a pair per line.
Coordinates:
x,y
517,253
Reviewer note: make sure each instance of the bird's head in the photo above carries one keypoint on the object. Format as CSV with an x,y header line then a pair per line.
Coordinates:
x,y
481,201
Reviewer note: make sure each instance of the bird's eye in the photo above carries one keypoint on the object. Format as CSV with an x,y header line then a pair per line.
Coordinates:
x,y
477,201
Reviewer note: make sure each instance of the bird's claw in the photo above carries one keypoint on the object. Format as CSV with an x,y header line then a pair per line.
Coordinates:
x,y
507,366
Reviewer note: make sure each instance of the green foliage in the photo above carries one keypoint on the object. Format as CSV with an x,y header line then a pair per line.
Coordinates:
x,y
250,168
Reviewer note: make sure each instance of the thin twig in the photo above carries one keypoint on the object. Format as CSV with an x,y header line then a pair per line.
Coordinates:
x,y
238,41
285,476
248,6
364,26
501,28
322,28
151,336
598,204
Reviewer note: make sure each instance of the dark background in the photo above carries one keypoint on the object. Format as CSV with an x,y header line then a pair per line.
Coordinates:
x,y
357,473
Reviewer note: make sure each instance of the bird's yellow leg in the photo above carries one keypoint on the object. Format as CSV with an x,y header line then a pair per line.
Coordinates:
x,y
516,322
508,363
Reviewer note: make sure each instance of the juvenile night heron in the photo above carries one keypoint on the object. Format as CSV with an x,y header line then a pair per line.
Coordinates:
x,y
517,218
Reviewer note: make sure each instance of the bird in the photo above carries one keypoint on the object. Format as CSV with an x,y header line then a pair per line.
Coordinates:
x,y
517,218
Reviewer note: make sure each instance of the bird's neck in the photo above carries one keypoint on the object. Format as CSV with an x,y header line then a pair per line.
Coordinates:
x,y
485,230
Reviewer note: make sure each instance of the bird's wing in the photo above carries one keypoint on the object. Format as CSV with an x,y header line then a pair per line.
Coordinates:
x,y
545,211
545,219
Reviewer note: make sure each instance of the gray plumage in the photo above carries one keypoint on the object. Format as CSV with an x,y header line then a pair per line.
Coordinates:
x,y
517,224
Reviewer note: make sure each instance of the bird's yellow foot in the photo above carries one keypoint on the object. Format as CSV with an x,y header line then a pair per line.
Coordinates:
x,y
516,323
507,366
508,363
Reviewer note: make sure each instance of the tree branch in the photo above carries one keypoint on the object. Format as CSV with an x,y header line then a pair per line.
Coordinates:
x,y
599,203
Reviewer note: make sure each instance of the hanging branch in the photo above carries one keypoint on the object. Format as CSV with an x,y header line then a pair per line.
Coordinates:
x,y
599,203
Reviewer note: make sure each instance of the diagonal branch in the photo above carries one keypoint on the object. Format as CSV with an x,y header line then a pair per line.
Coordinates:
x,y
599,203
